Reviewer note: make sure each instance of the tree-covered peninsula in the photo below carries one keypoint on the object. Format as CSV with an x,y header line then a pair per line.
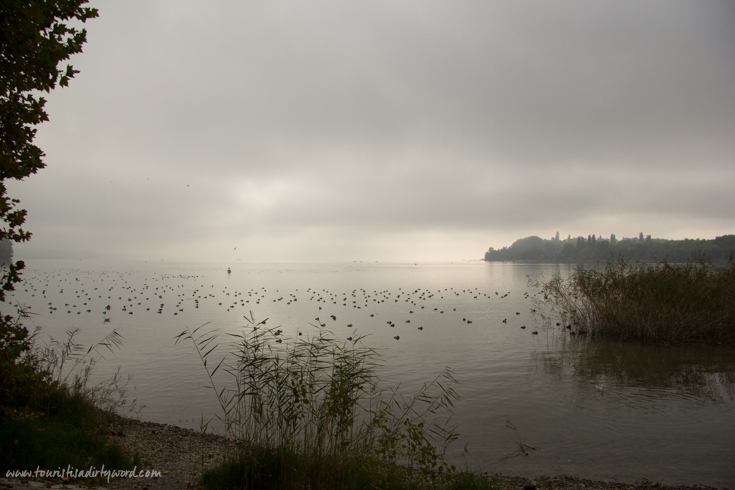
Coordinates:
x,y
6,251
595,248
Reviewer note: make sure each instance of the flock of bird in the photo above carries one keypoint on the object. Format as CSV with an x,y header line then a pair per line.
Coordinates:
x,y
109,293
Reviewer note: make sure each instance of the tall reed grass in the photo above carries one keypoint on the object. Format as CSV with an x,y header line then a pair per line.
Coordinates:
x,y
655,303
308,413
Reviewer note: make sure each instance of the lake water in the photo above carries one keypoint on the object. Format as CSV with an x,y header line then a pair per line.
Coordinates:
x,y
666,414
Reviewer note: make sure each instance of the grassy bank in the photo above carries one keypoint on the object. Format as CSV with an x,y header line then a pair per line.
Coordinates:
x,y
308,413
655,303
271,469
66,430
51,418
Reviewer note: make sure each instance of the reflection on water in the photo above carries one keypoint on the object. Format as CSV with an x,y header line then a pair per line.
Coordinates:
x,y
700,372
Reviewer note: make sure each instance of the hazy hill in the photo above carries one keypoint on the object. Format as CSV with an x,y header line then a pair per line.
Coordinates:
x,y
593,248
6,251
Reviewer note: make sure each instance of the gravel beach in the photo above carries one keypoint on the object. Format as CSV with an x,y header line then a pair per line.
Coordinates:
x,y
181,455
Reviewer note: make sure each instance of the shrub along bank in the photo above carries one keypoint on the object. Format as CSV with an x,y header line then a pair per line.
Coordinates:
x,y
50,417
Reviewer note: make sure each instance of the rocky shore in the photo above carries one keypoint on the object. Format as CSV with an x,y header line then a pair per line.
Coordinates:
x,y
563,482
181,455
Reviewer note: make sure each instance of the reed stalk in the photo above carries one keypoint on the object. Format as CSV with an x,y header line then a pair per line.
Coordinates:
x,y
308,412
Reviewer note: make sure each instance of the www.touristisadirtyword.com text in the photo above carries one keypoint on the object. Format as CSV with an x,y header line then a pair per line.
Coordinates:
x,y
92,472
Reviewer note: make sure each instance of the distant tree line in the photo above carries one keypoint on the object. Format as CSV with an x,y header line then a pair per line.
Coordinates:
x,y
593,248
6,251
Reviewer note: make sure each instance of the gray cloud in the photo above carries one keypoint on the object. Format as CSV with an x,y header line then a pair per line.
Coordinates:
x,y
327,130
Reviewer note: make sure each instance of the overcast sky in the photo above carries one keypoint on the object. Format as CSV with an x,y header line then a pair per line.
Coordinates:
x,y
385,130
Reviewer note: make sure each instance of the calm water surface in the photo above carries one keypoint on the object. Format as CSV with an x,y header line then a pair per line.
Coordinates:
x,y
666,414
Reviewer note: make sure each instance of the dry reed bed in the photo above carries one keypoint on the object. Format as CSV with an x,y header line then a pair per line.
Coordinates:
x,y
654,303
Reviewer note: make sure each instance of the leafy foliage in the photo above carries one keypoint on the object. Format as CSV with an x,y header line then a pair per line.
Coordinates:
x,y
35,36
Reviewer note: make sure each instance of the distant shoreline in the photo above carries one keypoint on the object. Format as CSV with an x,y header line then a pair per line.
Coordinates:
x,y
593,249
